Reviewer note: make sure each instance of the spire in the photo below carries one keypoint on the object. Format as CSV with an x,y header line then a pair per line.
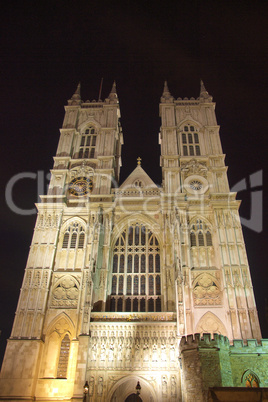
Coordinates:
x,y
113,95
166,96
76,98
203,92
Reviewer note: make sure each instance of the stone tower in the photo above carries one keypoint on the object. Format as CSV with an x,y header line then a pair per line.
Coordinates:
x,y
118,274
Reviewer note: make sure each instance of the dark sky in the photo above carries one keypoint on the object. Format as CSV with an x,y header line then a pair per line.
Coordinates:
x,y
46,48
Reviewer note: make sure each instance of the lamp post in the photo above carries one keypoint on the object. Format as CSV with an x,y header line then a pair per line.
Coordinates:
x,y
86,388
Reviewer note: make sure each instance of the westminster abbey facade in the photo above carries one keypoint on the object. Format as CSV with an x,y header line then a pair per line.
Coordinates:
x,y
135,291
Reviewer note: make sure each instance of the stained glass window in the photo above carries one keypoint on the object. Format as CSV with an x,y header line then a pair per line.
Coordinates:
x,y
129,263
114,285
143,231
151,263
121,267
115,263
143,263
157,285
137,235
142,285
129,282
157,263
138,248
120,286
151,285
136,264
136,285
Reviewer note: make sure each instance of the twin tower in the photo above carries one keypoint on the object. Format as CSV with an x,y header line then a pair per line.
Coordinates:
x,y
119,276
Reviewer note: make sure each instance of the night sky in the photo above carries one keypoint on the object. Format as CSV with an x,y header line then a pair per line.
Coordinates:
x,y
48,47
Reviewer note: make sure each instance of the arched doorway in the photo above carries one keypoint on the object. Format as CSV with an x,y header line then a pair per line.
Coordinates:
x,y
133,398
125,390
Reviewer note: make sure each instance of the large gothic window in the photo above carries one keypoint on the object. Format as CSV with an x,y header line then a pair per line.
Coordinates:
x,y
136,282
74,236
88,143
190,141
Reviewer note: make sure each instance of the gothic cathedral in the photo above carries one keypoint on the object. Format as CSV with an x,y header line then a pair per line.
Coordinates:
x,y
135,291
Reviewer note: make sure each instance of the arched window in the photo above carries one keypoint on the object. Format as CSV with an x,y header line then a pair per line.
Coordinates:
x,y
200,234
136,279
74,236
88,143
63,357
250,380
190,141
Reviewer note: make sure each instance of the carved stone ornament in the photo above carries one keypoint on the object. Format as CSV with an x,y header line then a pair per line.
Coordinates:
x,y
81,170
65,293
206,291
194,167
196,184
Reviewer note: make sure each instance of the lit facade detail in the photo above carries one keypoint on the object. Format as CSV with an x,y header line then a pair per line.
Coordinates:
x,y
119,276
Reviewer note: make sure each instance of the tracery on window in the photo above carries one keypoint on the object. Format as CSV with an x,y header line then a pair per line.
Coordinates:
x,y
200,234
190,140
74,236
136,282
250,380
88,143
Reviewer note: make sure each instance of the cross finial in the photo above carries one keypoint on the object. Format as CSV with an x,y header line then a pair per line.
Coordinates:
x,y
138,161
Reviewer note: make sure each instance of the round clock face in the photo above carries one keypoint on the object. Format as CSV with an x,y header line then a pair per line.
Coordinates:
x,y
196,185
80,186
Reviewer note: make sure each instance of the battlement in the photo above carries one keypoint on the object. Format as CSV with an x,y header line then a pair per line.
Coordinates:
x,y
249,346
205,341
222,342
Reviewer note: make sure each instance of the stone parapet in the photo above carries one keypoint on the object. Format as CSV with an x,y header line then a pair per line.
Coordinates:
x,y
204,341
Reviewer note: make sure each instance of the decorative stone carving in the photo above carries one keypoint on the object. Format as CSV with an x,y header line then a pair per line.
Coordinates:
x,y
206,291
91,386
210,323
164,385
65,293
194,168
100,386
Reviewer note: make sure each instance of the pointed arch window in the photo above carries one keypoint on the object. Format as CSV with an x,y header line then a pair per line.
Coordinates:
x,y
136,266
200,234
74,236
190,141
250,380
88,143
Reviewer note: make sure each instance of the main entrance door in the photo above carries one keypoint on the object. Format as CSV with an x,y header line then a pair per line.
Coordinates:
x,y
133,398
